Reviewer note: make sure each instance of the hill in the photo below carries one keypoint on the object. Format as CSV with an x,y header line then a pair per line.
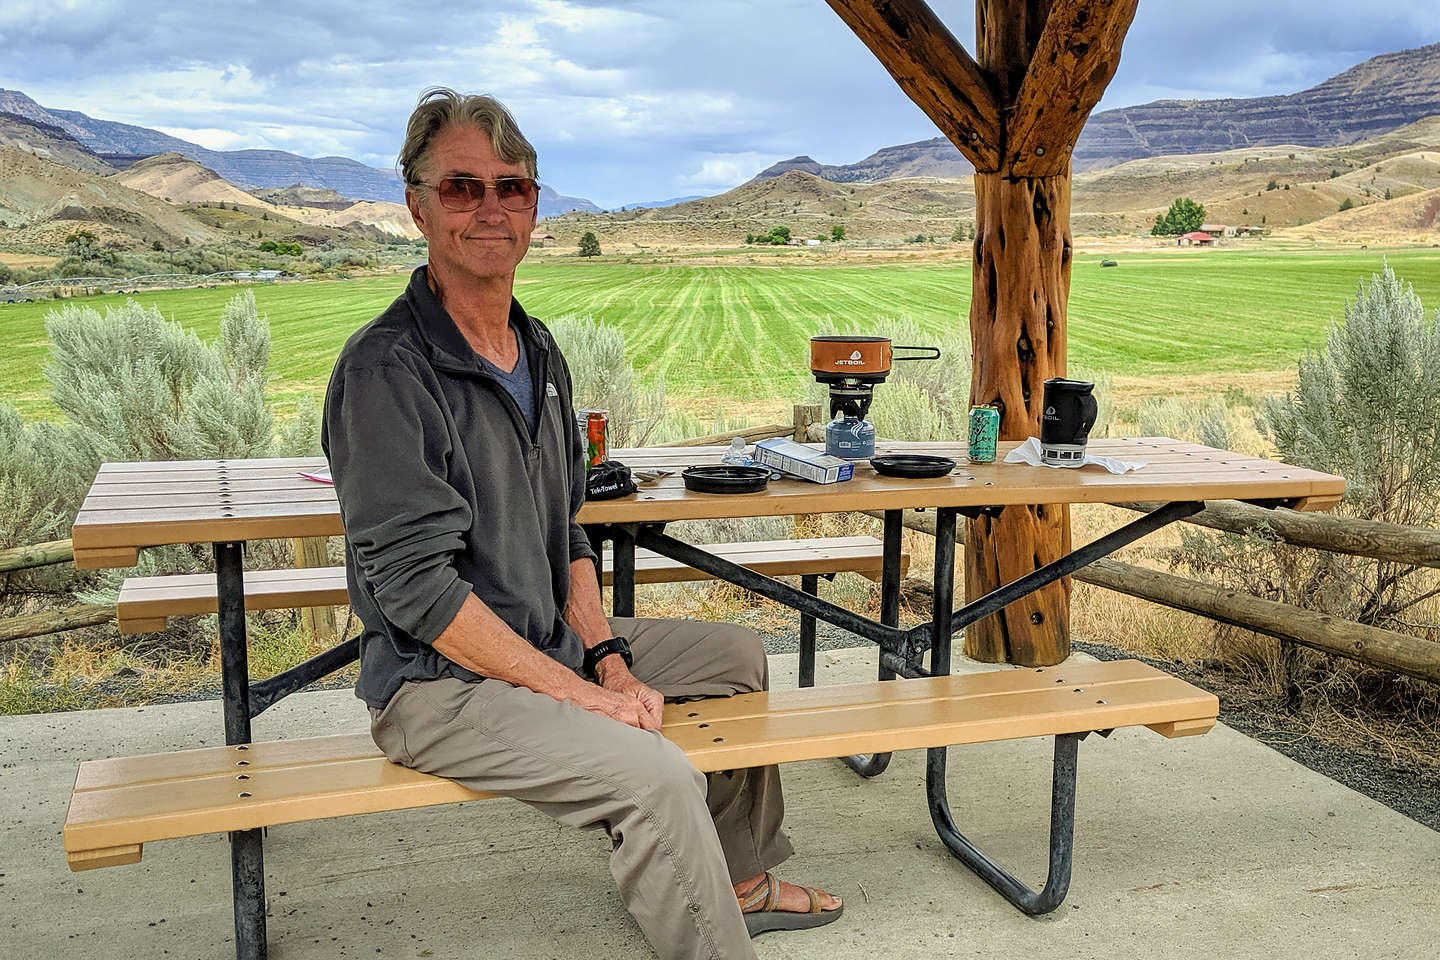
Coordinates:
x,y
1417,215
299,195
1278,186
41,202
808,204
178,180
1375,97
1281,186
49,142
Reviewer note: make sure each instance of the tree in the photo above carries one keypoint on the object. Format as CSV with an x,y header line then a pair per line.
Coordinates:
x,y
157,246
83,244
1184,216
1346,204
959,235
837,233
589,245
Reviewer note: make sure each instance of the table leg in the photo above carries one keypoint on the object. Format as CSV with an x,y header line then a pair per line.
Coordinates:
x,y
1062,798
247,861
234,657
874,764
622,589
810,583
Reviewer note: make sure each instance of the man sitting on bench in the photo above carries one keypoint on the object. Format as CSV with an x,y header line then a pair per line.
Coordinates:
x,y
486,657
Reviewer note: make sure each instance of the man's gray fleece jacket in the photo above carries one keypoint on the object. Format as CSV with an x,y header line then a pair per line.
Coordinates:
x,y
445,492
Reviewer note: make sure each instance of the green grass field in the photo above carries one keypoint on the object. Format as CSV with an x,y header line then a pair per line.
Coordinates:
x,y
739,331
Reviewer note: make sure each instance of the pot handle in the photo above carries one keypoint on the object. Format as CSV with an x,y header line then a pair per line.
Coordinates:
x,y
931,353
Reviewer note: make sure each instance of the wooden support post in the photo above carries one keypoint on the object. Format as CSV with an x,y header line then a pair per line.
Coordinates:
x,y
1021,281
1015,111
318,621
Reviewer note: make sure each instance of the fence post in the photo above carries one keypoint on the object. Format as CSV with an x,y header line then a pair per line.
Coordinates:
x,y
806,415
318,621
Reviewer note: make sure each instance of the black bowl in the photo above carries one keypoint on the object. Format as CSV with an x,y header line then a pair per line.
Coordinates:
x,y
912,466
725,479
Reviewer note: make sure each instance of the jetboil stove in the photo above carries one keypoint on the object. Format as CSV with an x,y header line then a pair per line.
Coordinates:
x,y
851,366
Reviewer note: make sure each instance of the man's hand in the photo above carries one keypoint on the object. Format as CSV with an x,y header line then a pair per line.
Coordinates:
x,y
622,697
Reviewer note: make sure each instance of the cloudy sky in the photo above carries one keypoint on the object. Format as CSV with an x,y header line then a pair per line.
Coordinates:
x,y
625,100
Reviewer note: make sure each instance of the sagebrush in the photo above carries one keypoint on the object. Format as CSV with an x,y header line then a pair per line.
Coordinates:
x,y
1366,407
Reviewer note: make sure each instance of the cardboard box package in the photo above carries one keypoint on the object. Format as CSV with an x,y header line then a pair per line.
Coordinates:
x,y
801,461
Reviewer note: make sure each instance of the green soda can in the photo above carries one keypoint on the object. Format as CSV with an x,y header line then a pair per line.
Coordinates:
x,y
984,433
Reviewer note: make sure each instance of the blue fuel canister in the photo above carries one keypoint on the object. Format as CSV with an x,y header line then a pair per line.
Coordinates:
x,y
850,438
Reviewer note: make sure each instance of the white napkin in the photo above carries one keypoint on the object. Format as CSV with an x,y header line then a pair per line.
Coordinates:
x,y
1029,452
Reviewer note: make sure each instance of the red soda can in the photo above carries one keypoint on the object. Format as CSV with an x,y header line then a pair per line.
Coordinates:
x,y
596,430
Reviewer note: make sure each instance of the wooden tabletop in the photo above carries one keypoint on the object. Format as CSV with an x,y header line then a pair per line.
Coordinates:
x,y
133,505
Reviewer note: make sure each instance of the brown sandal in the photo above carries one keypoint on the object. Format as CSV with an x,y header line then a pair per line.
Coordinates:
x,y
758,906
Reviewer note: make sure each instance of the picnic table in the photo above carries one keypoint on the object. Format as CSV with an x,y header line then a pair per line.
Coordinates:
x,y
228,502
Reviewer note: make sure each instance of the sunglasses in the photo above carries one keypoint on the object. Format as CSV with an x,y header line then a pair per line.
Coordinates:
x,y
463,194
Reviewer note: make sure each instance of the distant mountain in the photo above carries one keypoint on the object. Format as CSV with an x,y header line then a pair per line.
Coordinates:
x,y
1377,96
1382,94
121,144
925,158
656,204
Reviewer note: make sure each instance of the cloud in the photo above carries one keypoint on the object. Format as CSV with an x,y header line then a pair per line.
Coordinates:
x,y
724,172
625,100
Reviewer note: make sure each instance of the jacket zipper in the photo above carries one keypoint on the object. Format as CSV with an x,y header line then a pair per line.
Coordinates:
x,y
537,391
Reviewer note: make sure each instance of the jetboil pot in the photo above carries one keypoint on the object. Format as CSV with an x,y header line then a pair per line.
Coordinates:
x,y
851,366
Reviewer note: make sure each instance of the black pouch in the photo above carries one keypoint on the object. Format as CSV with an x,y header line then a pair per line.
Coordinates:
x,y
608,480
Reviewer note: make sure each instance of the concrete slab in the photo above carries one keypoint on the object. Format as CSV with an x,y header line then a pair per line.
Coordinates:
x,y
1213,846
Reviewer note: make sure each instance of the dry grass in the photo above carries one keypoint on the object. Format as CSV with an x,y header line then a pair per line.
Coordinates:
x,y
96,668
24,260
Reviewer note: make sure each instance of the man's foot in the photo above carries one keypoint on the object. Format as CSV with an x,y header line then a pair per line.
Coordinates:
x,y
772,904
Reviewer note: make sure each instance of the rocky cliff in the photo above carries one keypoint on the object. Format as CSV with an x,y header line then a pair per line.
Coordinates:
x,y
1374,97
1379,95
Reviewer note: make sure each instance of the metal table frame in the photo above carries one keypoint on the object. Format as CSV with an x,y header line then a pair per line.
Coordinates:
x,y
902,653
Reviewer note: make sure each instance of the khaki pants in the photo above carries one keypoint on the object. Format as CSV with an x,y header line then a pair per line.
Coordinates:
x,y
681,838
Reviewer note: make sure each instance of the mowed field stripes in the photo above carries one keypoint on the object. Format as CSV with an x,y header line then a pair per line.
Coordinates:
x,y
739,330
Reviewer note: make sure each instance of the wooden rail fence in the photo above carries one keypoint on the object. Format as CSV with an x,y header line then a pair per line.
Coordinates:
x,y
1389,649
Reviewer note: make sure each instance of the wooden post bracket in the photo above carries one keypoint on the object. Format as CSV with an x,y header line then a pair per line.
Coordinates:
x,y
1074,60
1073,63
932,68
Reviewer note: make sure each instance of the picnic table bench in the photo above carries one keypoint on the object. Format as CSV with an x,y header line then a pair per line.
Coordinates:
x,y
121,804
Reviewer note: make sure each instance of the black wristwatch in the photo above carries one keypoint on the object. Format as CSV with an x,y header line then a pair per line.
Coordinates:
x,y
600,651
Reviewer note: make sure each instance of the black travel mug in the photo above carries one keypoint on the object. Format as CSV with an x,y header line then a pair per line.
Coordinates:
x,y
1065,421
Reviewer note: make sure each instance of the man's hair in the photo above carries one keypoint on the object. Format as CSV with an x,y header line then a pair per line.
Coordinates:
x,y
441,107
